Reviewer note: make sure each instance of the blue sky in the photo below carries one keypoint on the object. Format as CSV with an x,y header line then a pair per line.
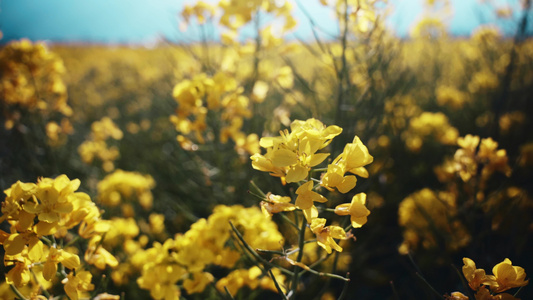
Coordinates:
x,y
138,21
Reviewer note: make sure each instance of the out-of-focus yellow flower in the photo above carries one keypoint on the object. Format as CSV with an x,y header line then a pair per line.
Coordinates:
x,y
162,286
123,185
285,77
106,296
486,35
96,146
449,95
429,27
198,282
31,79
253,278
465,157
429,124
526,155
428,217
201,10
483,81
259,91
325,235
356,210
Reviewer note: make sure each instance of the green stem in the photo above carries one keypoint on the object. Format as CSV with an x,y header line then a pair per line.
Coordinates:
x,y
278,287
17,292
255,255
301,243
257,189
228,293
430,286
289,221
344,289
270,252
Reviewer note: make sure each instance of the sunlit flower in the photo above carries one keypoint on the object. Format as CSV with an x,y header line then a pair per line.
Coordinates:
x,y
356,210
325,235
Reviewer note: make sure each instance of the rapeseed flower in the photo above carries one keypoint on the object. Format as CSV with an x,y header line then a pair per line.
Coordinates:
x,y
325,235
291,155
77,283
275,204
356,210
352,159
506,276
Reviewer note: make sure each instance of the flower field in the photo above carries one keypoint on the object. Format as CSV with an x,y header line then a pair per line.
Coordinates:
x,y
355,166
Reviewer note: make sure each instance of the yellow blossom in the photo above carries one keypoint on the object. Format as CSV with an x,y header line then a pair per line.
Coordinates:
x,y
198,283
475,277
275,204
507,276
356,209
55,256
325,235
78,282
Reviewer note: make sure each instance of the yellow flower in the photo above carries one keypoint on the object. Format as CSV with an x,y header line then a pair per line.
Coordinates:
x,y
55,256
352,159
484,294
507,276
291,155
123,185
18,194
240,278
76,283
16,243
475,277
52,198
458,296
198,283
162,286
275,204
356,209
20,274
334,178
325,235
98,256
306,198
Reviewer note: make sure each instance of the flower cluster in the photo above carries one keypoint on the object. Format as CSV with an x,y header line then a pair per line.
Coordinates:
x,y
96,146
41,217
473,154
235,14
121,186
292,157
31,79
221,94
429,219
429,124
188,257
506,276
